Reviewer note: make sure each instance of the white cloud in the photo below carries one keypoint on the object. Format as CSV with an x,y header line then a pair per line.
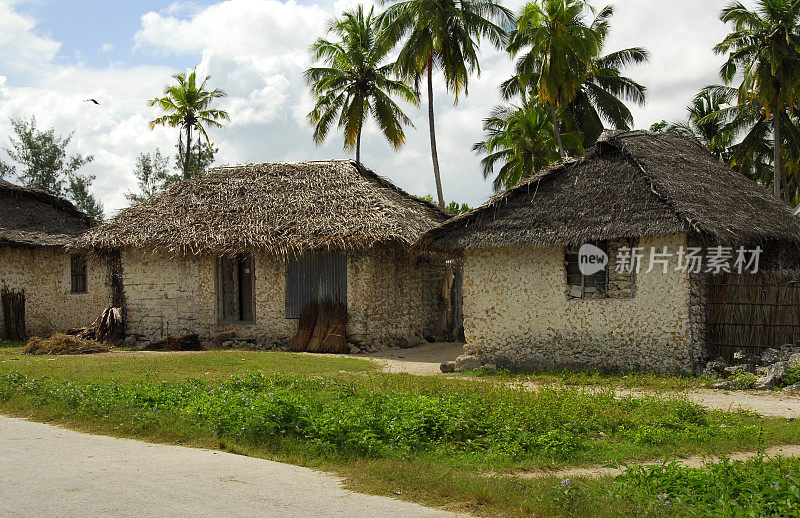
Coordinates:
x,y
106,47
21,50
256,50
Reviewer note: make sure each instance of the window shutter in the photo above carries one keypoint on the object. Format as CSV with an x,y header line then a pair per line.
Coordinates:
x,y
229,286
246,275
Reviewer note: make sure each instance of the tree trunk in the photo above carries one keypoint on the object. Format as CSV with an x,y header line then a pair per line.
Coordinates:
x,y
358,147
557,131
188,152
434,154
776,176
199,155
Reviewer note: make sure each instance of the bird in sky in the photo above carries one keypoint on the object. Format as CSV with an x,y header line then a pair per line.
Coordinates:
x,y
91,100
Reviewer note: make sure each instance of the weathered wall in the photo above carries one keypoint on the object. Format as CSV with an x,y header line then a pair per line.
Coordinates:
x,y
177,295
516,312
389,293
44,273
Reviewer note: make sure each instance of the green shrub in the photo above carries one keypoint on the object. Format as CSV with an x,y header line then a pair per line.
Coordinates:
x,y
791,377
743,380
394,416
757,487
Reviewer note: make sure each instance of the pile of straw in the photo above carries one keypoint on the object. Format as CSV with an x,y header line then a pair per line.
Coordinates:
x,y
63,344
322,328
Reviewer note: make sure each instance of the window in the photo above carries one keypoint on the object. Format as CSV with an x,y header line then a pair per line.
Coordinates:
x,y
235,293
315,276
586,286
77,273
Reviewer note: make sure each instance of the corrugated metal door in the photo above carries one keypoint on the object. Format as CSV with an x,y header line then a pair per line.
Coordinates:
x,y
315,276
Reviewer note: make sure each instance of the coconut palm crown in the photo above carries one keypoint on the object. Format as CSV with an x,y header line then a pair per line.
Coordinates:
x,y
187,105
355,84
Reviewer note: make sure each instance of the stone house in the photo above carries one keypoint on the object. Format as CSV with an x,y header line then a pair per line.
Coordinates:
x,y
63,290
239,251
646,200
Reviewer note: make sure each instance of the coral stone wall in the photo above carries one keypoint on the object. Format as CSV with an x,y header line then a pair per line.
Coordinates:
x,y
177,295
44,273
516,313
390,295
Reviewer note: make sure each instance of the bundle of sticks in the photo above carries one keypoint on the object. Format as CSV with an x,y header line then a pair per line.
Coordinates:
x,y
13,302
322,328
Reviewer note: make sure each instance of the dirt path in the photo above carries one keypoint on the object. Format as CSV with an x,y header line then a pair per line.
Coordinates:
x,y
425,360
696,461
50,471
422,361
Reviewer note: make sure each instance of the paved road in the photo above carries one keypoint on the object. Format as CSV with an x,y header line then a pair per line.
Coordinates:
x,y
50,471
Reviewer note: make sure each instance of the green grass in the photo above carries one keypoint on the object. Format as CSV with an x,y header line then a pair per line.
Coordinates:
x,y
433,440
11,345
154,366
597,378
756,487
441,441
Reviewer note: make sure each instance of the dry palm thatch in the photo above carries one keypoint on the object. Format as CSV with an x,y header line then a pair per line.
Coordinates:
x,y
335,340
108,327
324,319
630,184
305,327
29,217
63,344
283,208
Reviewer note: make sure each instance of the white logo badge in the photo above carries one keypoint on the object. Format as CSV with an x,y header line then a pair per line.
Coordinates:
x,y
591,259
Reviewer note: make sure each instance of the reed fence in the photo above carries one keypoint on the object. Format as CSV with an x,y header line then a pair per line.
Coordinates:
x,y
752,312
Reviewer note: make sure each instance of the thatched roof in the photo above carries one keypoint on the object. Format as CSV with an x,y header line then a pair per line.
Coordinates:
x,y
629,184
29,217
281,208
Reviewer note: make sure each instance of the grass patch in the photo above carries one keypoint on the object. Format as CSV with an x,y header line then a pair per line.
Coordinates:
x,y
157,366
400,416
10,345
434,440
597,378
756,487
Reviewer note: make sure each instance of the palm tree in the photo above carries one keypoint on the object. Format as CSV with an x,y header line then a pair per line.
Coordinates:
x,y
706,121
561,47
521,141
442,34
355,85
603,92
765,47
751,134
187,106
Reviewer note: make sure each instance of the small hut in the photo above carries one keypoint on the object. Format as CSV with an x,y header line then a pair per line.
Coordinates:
x,y
241,251
644,201
62,290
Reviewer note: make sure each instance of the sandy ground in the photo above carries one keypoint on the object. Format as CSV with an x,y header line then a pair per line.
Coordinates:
x,y
425,360
694,462
50,471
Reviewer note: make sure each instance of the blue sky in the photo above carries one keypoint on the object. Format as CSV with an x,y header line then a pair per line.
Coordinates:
x,y
55,53
98,33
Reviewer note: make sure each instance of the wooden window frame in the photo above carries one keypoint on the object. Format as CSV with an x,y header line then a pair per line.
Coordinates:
x,y
78,274
242,262
598,290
